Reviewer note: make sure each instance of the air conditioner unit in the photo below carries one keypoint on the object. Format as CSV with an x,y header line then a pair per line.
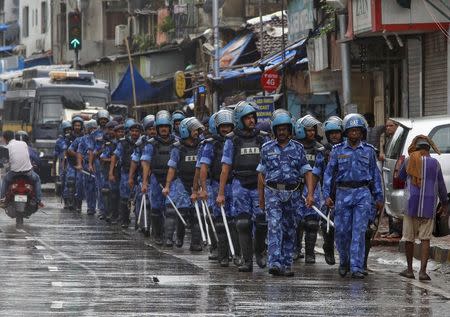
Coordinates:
x,y
121,33
337,4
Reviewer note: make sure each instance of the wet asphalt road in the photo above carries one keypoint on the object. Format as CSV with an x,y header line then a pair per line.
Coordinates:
x,y
66,264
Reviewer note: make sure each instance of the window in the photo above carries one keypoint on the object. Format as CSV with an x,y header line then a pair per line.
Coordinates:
x,y
51,109
25,21
113,19
441,137
44,14
395,148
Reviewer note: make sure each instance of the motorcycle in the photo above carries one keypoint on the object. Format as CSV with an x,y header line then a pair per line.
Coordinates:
x,y
21,199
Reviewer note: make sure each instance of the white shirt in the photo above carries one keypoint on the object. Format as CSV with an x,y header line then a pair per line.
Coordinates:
x,y
19,157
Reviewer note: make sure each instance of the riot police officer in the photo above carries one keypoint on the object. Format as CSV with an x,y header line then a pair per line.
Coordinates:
x,y
334,133
180,178
177,117
61,146
220,126
283,164
353,168
154,159
122,154
241,157
113,187
74,179
306,131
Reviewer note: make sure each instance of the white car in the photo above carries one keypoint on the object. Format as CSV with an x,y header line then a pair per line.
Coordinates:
x,y
435,127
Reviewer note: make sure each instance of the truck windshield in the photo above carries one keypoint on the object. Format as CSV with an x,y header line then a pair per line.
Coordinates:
x,y
54,101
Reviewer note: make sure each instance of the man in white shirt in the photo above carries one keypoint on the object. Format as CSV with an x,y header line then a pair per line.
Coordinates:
x,y
19,161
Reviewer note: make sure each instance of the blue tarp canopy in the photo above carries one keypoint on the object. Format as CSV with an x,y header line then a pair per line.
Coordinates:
x,y
7,48
39,60
145,92
3,27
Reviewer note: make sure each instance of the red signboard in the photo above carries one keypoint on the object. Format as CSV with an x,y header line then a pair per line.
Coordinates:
x,y
270,80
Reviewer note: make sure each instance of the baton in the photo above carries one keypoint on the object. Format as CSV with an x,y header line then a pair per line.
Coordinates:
x,y
225,222
211,221
197,211
328,221
175,207
87,173
140,210
145,214
206,224
320,213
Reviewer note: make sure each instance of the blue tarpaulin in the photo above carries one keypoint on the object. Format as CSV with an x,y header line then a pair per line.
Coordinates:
x,y
145,92
39,60
3,27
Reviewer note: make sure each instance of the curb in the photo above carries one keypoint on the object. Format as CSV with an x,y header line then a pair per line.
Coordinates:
x,y
437,253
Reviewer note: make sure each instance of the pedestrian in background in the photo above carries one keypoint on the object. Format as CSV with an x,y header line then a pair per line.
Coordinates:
x,y
424,182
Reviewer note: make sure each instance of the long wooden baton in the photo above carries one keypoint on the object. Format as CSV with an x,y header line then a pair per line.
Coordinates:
x,y
225,223
140,210
208,237
211,221
175,207
197,211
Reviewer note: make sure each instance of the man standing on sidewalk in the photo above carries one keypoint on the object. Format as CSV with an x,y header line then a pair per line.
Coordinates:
x,y
424,180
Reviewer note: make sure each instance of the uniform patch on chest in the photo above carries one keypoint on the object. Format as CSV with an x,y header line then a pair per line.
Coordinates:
x,y
190,158
342,156
310,157
249,150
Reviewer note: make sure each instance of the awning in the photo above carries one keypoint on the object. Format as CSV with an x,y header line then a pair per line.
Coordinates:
x,y
39,60
7,48
3,27
145,92
231,52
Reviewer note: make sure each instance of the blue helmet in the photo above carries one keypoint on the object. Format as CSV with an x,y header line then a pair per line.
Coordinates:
x,y
242,109
354,120
212,124
224,116
103,114
281,118
128,123
149,121
178,115
163,118
66,124
135,125
188,125
333,123
91,124
299,130
77,119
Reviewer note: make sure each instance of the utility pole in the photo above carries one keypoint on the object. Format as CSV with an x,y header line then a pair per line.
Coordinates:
x,y
215,20
345,60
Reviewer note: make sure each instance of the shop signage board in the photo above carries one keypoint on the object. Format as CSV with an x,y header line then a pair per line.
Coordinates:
x,y
270,80
265,107
180,84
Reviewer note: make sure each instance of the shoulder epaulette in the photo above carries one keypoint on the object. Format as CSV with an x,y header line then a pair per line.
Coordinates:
x,y
338,145
369,145
177,144
263,133
267,143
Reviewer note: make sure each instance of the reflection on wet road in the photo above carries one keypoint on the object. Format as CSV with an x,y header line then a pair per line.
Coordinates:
x,y
66,264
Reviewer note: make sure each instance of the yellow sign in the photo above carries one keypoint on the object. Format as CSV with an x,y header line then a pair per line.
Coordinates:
x,y
180,84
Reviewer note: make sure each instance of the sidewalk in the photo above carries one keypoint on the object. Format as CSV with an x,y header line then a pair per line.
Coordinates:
x,y
439,251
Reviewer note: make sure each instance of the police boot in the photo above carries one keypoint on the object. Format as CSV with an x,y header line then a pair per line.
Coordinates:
x,y
169,227
78,204
222,244
157,229
181,228
311,228
67,203
244,228
260,240
107,208
196,238
328,245
298,254
115,207
124,213
213,252
235,239
368,244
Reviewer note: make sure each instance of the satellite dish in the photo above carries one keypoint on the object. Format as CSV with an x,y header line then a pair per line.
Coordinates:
x,y
208,5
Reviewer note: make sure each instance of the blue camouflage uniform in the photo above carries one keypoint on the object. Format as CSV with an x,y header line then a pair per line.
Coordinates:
x,y
72,172
180,194
89,183
136,158
357,180
122,154
286,166
100,178
61,145
208,158
113,199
